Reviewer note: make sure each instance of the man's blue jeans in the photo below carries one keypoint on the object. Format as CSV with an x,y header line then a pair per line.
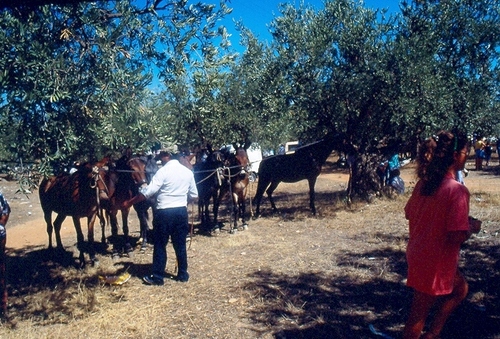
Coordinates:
x,y
170,223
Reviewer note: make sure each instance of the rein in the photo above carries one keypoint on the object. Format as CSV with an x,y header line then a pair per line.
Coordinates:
x,y
94,185
217,170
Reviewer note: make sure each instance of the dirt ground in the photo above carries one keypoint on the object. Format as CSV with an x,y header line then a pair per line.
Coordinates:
x,y
339,274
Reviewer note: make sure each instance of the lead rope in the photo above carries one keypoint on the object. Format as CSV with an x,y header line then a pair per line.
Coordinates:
x,y
231,213
250,197
191,232
95,177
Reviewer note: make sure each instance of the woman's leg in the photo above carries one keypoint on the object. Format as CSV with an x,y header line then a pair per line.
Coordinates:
x,y
419,311
448,303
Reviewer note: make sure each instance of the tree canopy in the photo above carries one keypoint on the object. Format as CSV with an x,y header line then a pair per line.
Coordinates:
x,y
77,79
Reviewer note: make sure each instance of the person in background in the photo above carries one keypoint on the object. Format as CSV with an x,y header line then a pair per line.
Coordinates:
x,y
487,152
281,149
172,185
4,217
439,222
498,148
479,153
389,169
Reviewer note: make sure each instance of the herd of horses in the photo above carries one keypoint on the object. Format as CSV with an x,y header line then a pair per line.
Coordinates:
x,y
98,190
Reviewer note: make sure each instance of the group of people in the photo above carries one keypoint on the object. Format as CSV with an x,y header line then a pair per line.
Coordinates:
x,y
438,214
483,149
389,170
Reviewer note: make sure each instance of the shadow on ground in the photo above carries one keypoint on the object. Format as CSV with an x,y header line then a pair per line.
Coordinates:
x,y
315,305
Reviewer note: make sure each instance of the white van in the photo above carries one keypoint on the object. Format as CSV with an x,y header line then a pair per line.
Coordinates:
x,y
254,153
291,146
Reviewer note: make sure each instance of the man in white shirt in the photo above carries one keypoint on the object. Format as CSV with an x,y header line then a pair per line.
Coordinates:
x,y
172,185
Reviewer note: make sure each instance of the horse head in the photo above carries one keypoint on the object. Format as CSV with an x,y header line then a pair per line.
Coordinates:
x,y
103,179
237,165
138,171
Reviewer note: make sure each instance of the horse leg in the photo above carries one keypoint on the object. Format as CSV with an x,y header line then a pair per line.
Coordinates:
x,y
216,199
48,220
90,239
207,222
79,240
114,234
269,192
242,208
128,246
102,222
312,183
261,188
142,214
235,212
57,228
203,213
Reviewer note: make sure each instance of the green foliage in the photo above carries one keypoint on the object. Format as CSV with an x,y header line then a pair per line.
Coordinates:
x,y
71,77
75,80
452,47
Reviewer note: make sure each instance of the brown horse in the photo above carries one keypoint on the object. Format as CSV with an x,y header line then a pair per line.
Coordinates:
x,y
305,163
77,195
236,174
122,178
143,169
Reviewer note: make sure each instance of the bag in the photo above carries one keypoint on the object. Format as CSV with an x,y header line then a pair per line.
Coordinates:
x,y
398,184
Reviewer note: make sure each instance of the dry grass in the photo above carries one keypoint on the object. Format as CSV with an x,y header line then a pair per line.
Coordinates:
x,y
288,276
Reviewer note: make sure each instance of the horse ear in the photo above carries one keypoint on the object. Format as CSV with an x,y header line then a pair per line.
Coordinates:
x,y
247,143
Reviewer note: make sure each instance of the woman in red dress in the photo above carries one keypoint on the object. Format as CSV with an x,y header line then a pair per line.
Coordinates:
x,y
439,222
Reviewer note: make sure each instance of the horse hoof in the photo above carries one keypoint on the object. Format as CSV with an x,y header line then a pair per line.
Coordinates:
x,y
95,262
143,249
233,231
245,227
215,231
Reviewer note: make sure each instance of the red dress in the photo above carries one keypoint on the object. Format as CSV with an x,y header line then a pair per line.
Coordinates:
x,y
432,260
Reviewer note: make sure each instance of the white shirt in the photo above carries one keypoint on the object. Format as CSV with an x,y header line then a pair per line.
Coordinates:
x,y
172,184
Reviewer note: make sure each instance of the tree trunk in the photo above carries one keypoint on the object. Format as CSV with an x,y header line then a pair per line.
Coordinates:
x,y
364,182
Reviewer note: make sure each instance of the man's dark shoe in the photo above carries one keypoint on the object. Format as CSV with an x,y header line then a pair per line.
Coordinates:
x,y
183,278
151,280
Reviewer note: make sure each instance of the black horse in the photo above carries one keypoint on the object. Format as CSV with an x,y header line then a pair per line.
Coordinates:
x,y
209,179
305,163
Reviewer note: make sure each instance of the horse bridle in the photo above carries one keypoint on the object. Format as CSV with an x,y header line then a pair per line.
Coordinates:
x,y
96,178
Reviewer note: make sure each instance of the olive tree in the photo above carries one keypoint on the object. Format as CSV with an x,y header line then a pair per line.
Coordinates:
x,y
75,77
452,48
